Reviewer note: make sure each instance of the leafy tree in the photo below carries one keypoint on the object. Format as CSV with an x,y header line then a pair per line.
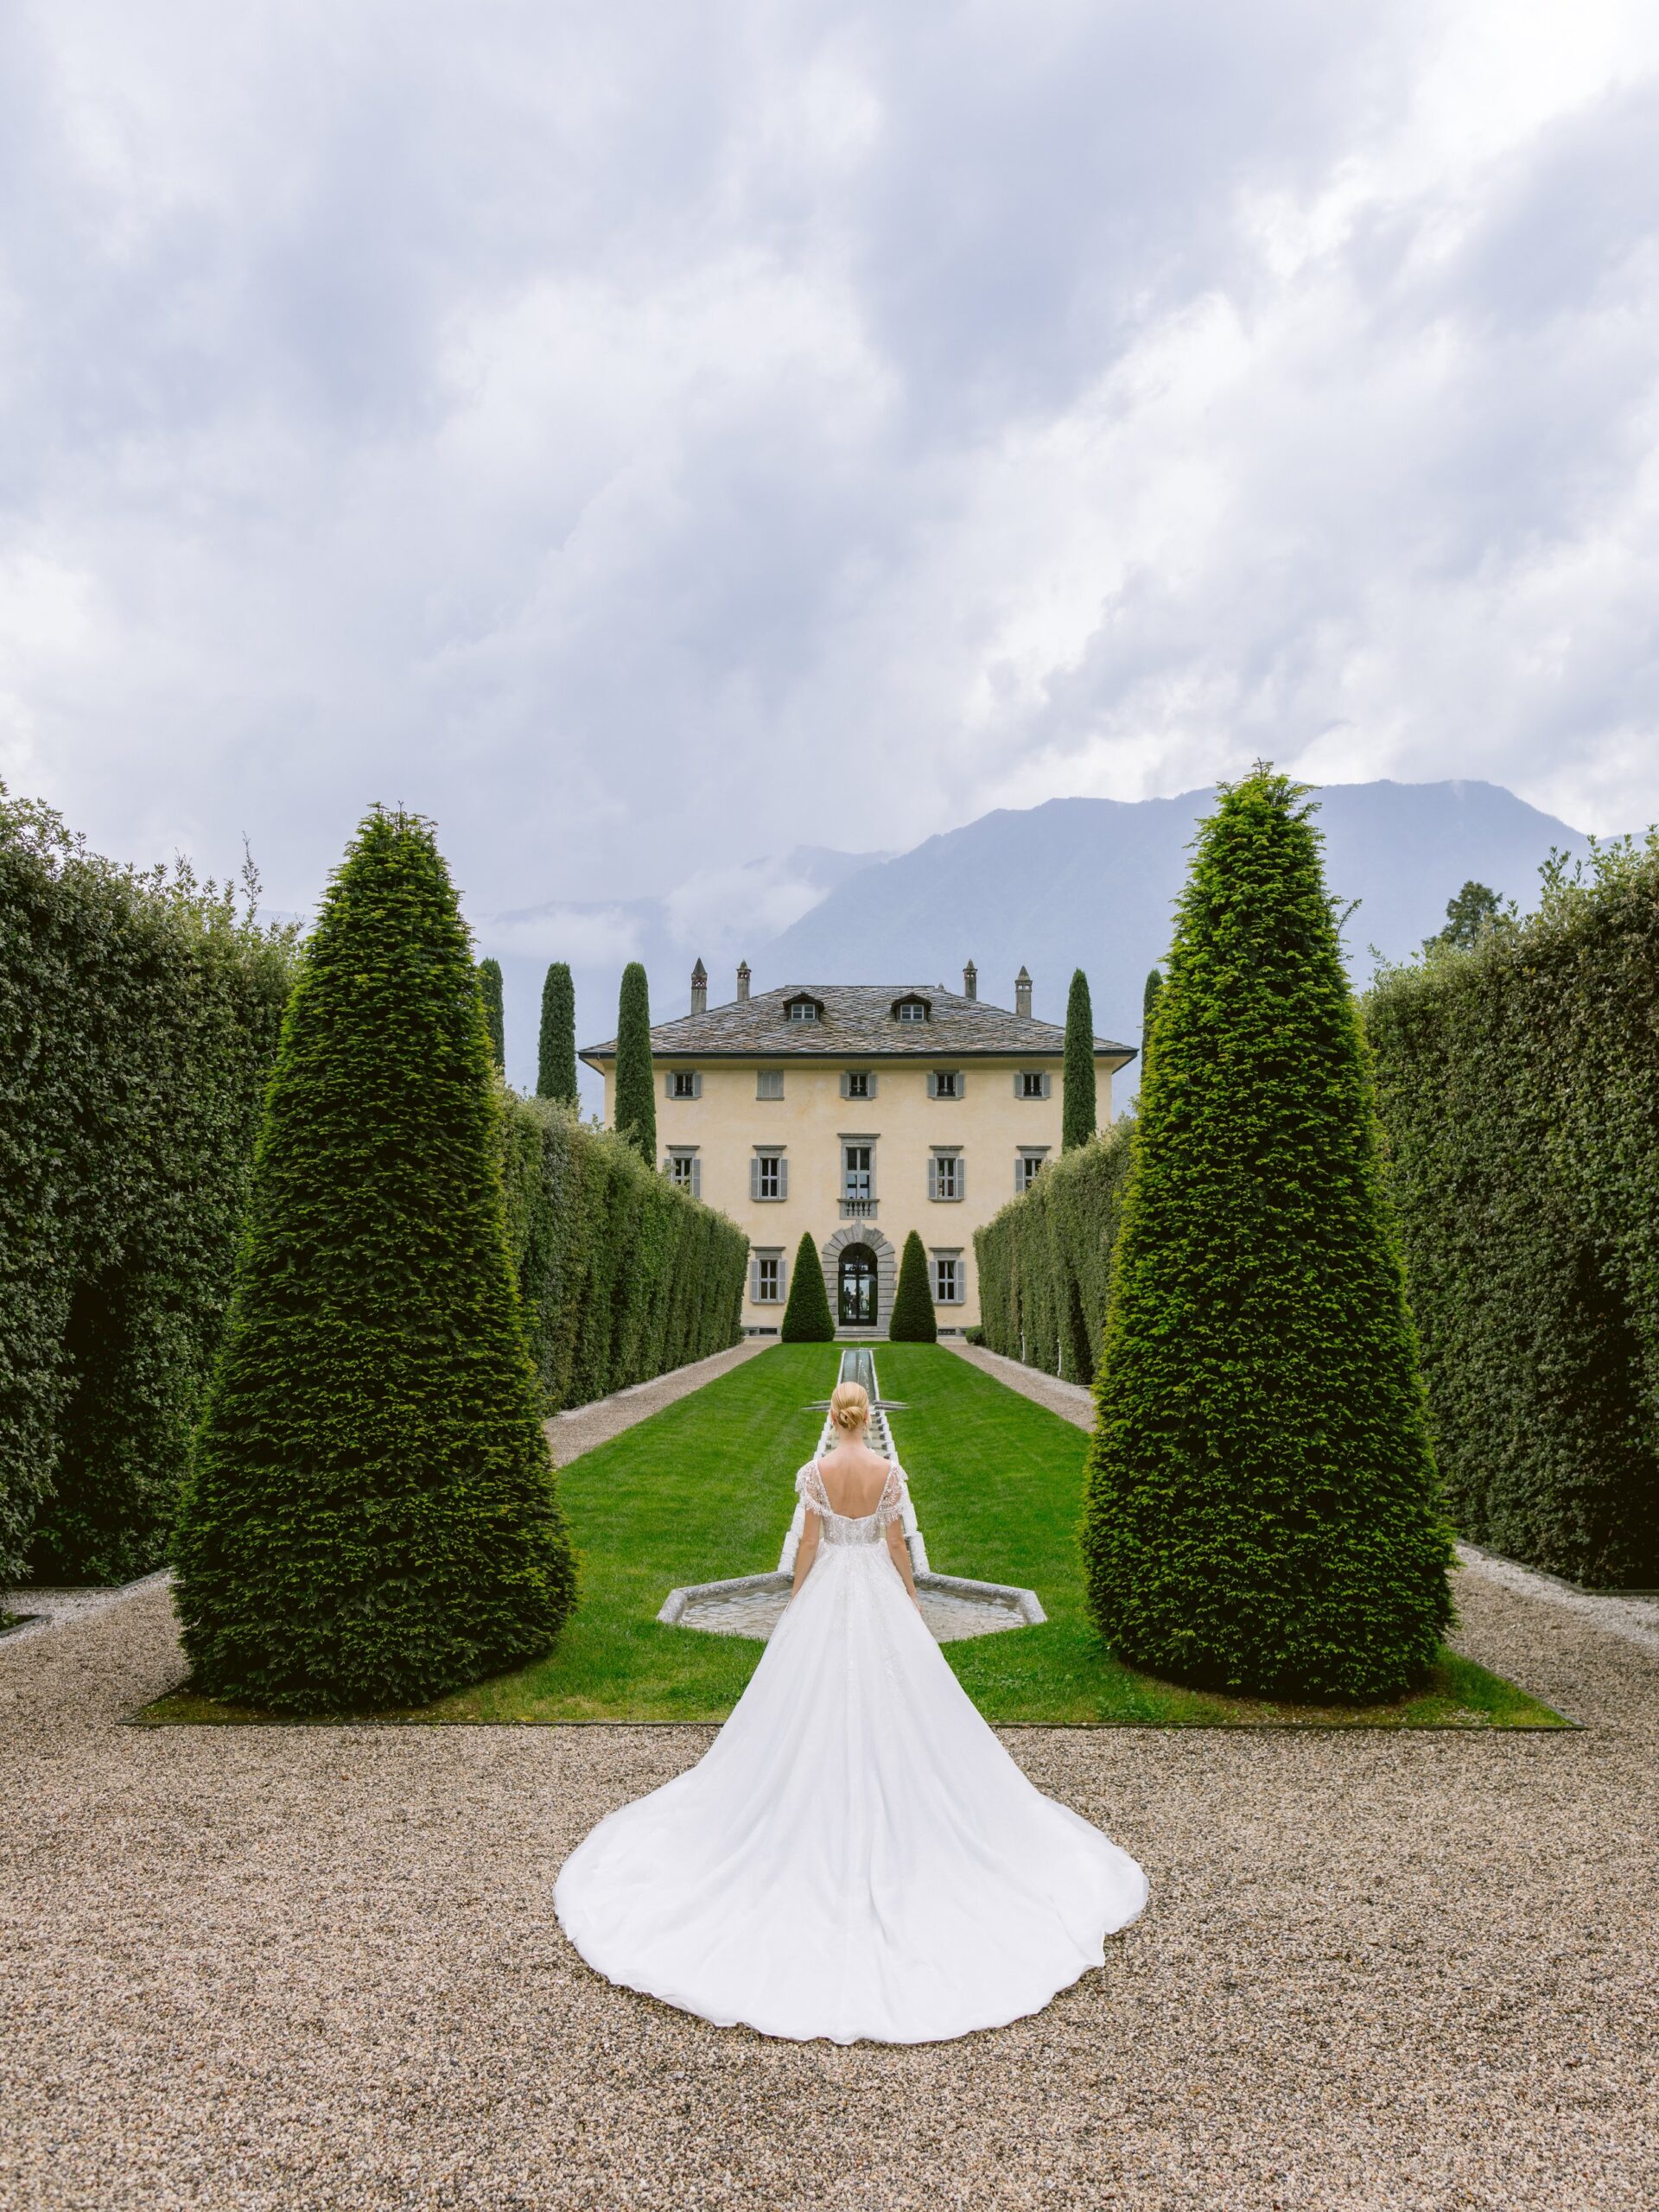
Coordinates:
x,y
636,1087
370,1518
1261,1509
1468,917
1154,985
1078,1107
807,1317
913,1321
555,1070
489,987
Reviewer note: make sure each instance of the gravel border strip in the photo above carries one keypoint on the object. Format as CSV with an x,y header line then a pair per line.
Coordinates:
x,y
583,1428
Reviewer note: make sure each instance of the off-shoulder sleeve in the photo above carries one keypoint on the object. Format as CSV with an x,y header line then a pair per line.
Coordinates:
x,y
891,1506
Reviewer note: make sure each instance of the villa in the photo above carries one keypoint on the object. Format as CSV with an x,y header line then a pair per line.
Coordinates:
x,y
859,1112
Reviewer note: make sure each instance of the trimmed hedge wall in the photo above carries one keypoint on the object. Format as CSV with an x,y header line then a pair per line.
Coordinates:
x,y
139,1014
1046,1261
1519,1087
622,1276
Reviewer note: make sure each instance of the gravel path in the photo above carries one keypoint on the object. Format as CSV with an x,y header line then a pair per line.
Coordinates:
x,y
584,1427
317,1968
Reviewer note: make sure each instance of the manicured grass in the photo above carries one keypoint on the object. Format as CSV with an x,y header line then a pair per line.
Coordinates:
x,y
703,1491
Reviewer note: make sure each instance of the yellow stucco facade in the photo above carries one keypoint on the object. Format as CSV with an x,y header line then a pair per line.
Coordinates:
x,y
916,1123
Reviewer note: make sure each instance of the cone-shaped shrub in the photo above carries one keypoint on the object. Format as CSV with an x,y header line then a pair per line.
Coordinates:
x,y
807,1317
1261,1509
370,1517
913,1321
636,1088
495,1019
1078,1107
555,1066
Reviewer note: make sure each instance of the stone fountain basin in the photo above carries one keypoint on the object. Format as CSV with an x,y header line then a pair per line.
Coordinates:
x,y
752,1604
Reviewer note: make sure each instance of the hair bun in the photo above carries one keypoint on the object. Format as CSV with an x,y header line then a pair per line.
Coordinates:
x,y
850,1406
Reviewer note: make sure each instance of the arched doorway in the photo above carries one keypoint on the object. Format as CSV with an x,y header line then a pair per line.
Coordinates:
x,y
857,1279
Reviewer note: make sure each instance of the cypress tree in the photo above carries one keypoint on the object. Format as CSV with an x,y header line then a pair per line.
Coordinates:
x,y
636,1088
913,1321
1262,1510
489,989
807,1317
1149,997
369,1517
556,1067
1077,1106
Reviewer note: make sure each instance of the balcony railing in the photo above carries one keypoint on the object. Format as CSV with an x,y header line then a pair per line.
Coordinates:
x,y
858,1209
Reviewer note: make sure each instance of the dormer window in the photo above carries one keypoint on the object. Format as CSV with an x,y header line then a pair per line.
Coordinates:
x,y
912,1009
804,1008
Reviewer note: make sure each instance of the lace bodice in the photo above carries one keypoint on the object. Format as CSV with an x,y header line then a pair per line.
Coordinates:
x,y
852,1529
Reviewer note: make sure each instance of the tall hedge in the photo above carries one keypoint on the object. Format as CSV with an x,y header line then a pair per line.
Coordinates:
x,y
1262,1510
622,1275
1044,1262
138,1021
807,1317
1078,1109
913,1321
1517,1083
556,1060
635,1111
495,1019
370,1518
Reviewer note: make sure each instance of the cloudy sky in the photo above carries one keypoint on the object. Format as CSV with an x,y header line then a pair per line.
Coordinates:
x,y
649,436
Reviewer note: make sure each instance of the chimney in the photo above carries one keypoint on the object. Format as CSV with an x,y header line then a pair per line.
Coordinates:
x,y
970,981
742,979
1022,994
699,988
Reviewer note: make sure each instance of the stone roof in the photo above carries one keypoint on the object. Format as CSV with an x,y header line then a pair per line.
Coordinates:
x,y
857,1022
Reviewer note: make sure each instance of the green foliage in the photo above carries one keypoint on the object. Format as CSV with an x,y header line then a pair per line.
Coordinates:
x,y
1516,1082
370,1517
556,1066
1469,916
1261,1508
622,1276
138,1020
913,1321
635,1114
489,988
1044,1262
1154,984
807,1317
1078,1107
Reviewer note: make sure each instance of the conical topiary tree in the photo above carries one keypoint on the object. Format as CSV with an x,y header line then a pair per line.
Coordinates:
x,y
1261,1509
495,1020
807,1317
1149,998
913,1321
636,1088
555,1066
1078,1105
370,1517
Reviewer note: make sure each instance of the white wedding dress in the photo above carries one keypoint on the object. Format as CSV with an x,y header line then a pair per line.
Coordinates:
x,y
855,1856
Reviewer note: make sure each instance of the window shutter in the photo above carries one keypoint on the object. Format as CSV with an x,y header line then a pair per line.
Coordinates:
x,y
962,1176
696,1176
783,1179
1048,1084
932,1085
696,1083
932,1176
783,1279
1019,1082
754,1281
961,1083
754,1175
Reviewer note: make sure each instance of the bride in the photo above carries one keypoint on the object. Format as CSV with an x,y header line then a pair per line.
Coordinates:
x,y
856,1856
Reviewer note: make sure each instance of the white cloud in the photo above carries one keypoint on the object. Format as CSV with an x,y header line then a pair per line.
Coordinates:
x,y
648,437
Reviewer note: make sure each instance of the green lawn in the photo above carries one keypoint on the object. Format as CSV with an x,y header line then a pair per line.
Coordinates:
x,y
703,1491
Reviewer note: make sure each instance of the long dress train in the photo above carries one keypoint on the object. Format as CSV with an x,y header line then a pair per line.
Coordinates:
x,y
856,1856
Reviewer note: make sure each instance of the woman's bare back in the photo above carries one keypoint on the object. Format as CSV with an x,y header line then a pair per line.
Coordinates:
x,y
854,1478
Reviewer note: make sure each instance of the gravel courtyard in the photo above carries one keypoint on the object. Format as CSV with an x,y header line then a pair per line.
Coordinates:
x,y
318,1968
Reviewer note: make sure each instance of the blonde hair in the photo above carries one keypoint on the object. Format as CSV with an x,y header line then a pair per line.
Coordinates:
x,y
849,1407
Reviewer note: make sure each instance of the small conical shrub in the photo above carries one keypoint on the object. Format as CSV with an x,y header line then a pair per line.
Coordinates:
x,y
495,1019
369,1517
636,1088
807,1317
913,1321
555,1061
1261,1508
1077,1106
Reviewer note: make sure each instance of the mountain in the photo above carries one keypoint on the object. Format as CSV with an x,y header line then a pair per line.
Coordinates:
x,y
1091,883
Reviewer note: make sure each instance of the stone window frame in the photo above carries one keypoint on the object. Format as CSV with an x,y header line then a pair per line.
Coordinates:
x,y
951,1155
1044,1079
939,1257
865,1076
762,1156
765,1076
684,1168
843,1138
690,1077
775,1258
955,1078
1028,1163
